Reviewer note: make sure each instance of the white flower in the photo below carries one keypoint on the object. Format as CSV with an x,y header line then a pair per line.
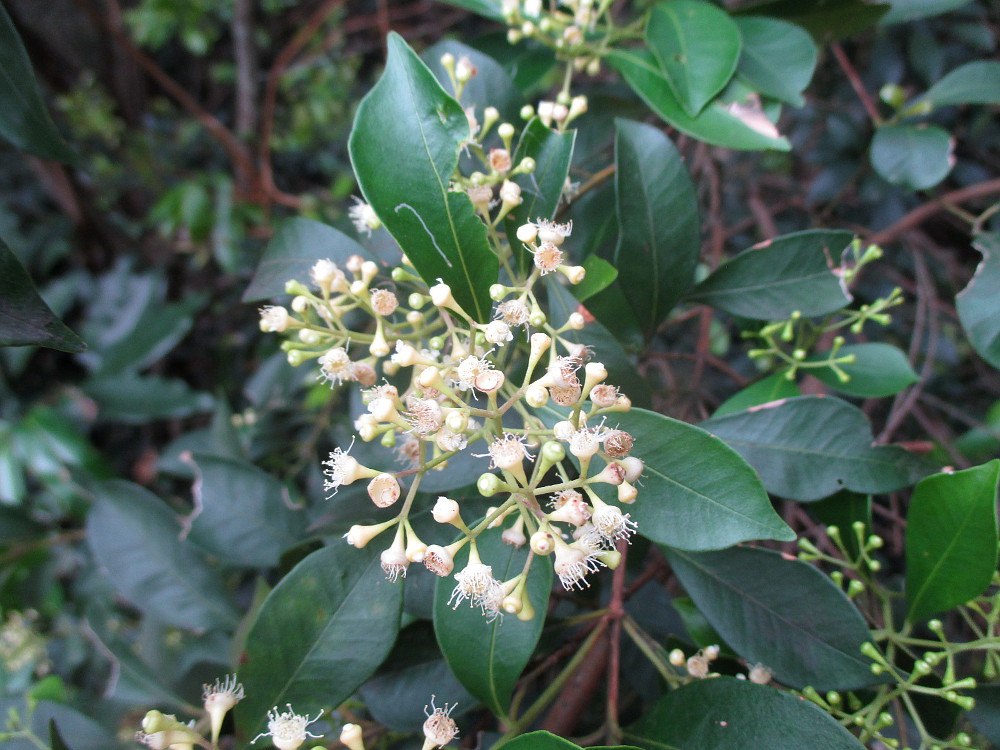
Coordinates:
x,y
335,366
219,699
573,562
508,451
341,469
548,257
364,217
288,730
273,319
394,563
477,584
424,415
513,312
440,728
498,332
469,369
610,524
551,231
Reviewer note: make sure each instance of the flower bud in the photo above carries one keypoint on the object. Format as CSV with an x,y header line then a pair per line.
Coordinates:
x,y
384,490
352,737
527,233
542,543
489,485
446,510
627,493
536,396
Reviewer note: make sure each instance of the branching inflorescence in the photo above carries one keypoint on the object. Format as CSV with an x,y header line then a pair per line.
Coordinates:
x,y
515,391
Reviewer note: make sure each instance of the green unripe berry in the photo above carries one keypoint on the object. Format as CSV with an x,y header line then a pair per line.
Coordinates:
x,y
489,485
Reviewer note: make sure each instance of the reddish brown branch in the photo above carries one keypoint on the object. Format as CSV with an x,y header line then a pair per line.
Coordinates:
x,y
920,214
243,165
855,80
281,63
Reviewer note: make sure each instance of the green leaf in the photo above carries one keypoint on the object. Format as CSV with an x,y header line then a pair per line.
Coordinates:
x,y
490,87
715,124
414,671
600,275
823,18
972,83
729,714
985,717
404,148
810,447
155,332
242,515
83,733
134,537
772,388
844,509
697,46
696,624
25,319
322,631
979,305
697,493
951,539
772,280
904,11
491,9
657,207
542,740
136,399
540,190
778,58
488,657
878,370
915,157
24,121
291,253
784,614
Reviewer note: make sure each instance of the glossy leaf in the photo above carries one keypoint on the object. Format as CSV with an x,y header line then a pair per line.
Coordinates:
x,y
810,447
657,207
979,305
138,398
543,740
912,156
951,539
25,319
985,717
973,83
404,148
488,657
844,509
697,46
778,58
491,9
729,714
699,493
157,330
784,614
904,11
600,275
322,631
24,121
772,388
134,538
291,253
242,515
772,280
490,87
542,189
715,124
414,671
80,732
823,18
878,370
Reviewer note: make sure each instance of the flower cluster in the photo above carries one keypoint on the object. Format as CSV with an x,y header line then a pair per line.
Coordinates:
x,y
460,385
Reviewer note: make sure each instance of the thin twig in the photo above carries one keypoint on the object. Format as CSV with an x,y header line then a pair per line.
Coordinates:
x,y
855,81
920,214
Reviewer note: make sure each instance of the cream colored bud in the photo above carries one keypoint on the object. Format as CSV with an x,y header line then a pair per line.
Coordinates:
x,y
574,274
576,321
360,536
384,490
633,468
354,263
527,233
369,270
677,657
627,493
300,304
510,194
540,342
352,737
465,70
441,295
536,396
414,318
542,543
506,131
445,510
563,430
